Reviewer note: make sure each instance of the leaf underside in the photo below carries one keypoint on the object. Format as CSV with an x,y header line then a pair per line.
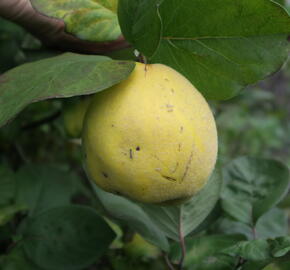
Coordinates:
x,y
92,20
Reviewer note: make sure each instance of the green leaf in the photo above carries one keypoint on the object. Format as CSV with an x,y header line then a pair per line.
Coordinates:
x,y
8,212
7,186
134,17
41,187
61,76
16,260
278,265
272,224
281,246
70,237
132,215
92,20
250,265
201,249
11,36
252,186
212,217
227,225
221,46
255,250
173,220
261,249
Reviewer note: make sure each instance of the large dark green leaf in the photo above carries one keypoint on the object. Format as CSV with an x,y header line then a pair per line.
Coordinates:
x,y
93,20
41,187
220,46
131,214
66,238
179,220
252,186
7,186
61,76
16,260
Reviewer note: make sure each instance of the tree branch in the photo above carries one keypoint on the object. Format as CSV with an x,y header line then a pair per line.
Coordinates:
x,y
51,31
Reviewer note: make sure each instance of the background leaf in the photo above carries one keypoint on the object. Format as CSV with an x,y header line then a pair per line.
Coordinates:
x,y
7,186
252,186
220,46
255,250
201,249
41,187
16,260
61,76
186,217
272,224
261,249
92,20
8,212
132,215
70,237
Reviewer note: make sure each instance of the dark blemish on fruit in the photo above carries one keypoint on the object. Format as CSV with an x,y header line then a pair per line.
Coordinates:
x,y
113,125
169,178
187,166
166,79
181,129
105,174
131,154
179,147
176,166
172,90
138,148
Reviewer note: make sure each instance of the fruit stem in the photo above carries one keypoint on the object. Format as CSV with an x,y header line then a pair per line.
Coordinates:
x,y
143,59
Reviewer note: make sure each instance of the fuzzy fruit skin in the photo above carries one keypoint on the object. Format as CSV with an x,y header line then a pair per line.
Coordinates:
x,y
151,138
73,117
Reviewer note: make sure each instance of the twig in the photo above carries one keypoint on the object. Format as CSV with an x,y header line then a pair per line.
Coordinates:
x,y
168,262
143,59
182,244
254,232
